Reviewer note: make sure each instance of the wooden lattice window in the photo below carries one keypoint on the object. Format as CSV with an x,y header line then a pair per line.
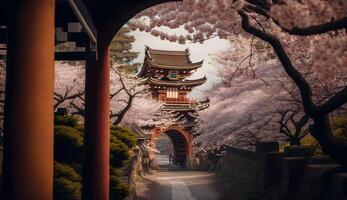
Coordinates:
x,y
172,93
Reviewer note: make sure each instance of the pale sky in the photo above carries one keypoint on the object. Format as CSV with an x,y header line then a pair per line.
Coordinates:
x,y
198,52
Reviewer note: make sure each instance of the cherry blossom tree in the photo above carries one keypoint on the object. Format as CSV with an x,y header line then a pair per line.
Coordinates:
x,y
242,108
68,87
318,22
132,102
126,88
130,99
317,111
245,69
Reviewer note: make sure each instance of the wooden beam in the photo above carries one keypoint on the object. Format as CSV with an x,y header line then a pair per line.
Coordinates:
x,y
3,35
83,16
75,55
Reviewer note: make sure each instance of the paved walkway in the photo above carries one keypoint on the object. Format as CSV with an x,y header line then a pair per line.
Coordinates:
x,y
178,185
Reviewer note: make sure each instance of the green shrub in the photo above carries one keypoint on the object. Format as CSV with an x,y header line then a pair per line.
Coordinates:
x,y
67,182
125,135
66,120
119,152
80,127
118,190
339,128
68,144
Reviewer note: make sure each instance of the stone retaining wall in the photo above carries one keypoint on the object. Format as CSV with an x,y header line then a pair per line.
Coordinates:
x,y
136,169
269,174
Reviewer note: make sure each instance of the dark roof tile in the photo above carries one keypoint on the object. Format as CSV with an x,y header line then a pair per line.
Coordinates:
x,y
169,57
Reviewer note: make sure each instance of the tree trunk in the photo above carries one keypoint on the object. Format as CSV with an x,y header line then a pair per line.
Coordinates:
x,y
321,130
295,141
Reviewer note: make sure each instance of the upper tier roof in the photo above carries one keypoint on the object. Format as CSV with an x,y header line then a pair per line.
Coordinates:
x,y
170,60
163,57
190,66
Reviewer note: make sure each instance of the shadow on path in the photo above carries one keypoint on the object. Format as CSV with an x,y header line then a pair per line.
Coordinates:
x,y
179,185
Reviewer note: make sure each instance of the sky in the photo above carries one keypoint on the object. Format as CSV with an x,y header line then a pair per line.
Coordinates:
x,y
198,52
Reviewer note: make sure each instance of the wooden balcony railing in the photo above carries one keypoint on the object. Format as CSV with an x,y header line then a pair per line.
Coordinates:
x,y
180,101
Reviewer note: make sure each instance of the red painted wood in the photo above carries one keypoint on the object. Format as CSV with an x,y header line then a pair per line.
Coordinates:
x,y
97,125
186,137
28,147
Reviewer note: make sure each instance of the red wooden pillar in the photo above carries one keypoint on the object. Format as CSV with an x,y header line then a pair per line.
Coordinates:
x,y
189,158
155,134
97,125
28,123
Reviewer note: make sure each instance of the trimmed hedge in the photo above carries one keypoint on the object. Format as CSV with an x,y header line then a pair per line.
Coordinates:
x,y
119,152
66,121
67,182
68,150
68,144
125,135
118,190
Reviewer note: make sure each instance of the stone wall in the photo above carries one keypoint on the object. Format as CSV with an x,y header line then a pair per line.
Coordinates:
x,y
135,170
269,174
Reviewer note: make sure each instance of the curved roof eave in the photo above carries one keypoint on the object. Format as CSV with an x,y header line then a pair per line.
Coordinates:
x,y
178,83
190,66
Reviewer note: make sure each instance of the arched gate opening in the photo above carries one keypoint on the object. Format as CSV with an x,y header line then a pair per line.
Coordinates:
x,y
182,144
180,147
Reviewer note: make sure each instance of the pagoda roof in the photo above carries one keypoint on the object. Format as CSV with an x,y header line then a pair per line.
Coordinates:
x,y
166,57
189,66
140,135
171,60
177,107
195,82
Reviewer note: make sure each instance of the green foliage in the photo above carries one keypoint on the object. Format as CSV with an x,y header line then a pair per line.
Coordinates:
x,y
67,182
66,121
119,152
120,50
68,144
264,47
68,135
125,135
260,45
80,128
118,190
308,140
339,128
122,140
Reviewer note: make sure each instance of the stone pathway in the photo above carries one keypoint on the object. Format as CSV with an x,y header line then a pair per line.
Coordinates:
x,y
178,185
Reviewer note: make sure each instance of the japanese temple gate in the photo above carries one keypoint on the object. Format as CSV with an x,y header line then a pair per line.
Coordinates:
x,y
29,31
167,74
182,142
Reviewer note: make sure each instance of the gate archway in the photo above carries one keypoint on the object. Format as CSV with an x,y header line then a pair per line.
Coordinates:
x,y
182,143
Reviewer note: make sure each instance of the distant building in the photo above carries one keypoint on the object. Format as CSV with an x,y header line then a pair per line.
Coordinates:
x,y
167,73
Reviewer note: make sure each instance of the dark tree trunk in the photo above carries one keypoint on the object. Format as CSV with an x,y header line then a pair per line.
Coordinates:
x,y
320,129
122,113
332,146
295,141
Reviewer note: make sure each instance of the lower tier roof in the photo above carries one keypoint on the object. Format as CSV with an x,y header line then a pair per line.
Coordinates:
x,y
191,83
